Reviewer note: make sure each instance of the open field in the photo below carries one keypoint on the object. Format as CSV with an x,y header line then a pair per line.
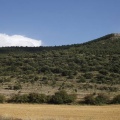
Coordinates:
x,y
60,112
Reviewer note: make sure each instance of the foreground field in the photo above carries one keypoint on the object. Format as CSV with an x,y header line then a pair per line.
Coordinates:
x,y
59,112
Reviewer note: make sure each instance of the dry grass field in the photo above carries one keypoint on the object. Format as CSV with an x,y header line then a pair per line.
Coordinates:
x,y
60,112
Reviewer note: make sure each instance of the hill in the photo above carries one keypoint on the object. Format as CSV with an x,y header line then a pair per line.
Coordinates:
x,y
93,66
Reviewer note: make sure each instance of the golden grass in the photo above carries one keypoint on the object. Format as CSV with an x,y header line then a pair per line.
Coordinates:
x,y
60,112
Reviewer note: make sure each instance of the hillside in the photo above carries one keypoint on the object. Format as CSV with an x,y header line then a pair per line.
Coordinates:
x,y
90,67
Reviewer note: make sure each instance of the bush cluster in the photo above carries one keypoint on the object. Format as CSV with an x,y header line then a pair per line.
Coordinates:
x,y
97,99
101,99
60,97
116,100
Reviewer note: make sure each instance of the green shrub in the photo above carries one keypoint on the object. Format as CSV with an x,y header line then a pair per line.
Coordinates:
x,y
116,99
103,71
96,100
17,98
101,99
88,75
81,79
29,98
17,87
62,97
42,98
37,98
89,99
56,99
72,98
2,98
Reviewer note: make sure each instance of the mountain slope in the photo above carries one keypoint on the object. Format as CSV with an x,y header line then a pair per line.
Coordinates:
x,y
75,66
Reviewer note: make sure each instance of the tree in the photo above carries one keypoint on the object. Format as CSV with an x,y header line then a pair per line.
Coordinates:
x,y
101,99
89,99
37,98
116,100
61,97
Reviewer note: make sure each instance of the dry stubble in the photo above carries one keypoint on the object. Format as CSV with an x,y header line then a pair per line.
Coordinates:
x,y
60,112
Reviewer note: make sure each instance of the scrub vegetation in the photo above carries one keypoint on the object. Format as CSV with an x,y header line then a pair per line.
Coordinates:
x,y
81,69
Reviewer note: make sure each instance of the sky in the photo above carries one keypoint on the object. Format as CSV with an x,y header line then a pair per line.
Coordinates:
x,y
56,22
